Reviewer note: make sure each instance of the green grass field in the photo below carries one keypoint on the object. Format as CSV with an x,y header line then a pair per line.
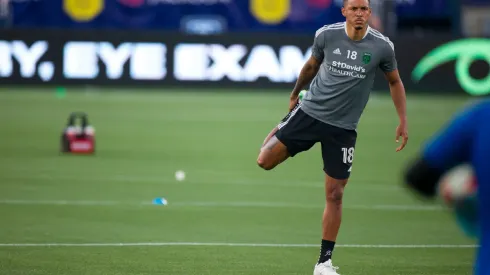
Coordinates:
x,y
228,216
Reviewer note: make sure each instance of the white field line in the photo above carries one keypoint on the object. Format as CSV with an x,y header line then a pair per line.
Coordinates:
x,y
234,245
218,204
370,185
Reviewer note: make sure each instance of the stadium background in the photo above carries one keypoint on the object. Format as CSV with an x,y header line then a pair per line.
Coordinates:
x,y
196,85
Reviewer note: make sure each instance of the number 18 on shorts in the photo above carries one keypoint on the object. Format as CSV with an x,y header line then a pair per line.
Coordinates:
x,y
348,156
338,152
299,132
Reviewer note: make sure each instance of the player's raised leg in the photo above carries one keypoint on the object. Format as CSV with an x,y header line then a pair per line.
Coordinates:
x,y
295,134
273,151
269,136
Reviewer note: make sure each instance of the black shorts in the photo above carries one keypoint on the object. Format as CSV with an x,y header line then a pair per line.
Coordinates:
x,y
299,132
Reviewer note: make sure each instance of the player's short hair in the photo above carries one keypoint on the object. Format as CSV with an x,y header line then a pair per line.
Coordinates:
x,y
345,1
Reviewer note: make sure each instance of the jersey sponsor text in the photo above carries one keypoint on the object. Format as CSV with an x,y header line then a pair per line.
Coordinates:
x,y
347,70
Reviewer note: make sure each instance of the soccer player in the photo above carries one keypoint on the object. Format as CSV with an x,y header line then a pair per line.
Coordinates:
x,y
342,69
464,140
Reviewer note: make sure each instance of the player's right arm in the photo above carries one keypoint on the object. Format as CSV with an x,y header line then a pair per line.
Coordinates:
x,y
311,67
450,147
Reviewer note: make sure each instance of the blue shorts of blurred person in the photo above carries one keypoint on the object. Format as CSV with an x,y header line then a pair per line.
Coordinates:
x,y
465,139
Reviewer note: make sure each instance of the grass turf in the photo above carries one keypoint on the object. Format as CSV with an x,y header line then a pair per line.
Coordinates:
x,y
214,136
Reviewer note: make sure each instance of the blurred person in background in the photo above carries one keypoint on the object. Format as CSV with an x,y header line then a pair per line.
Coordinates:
x,y
4,13
464,140
376,20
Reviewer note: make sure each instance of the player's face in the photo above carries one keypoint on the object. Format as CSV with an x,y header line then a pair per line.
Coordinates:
x,y
357,13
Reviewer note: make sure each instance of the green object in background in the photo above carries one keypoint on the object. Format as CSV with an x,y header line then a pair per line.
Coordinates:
x,y
465,52
302,94
60,92
467,217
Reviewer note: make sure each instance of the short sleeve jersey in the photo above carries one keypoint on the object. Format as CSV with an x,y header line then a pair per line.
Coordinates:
x,y
340,91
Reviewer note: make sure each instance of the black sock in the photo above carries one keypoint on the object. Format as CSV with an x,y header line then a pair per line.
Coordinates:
x,y
326,251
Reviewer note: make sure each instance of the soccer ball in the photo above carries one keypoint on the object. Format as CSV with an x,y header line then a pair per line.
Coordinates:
x,y
180,175
457,185
458,191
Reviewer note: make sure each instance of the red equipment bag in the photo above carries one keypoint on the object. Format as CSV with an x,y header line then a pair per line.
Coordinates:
x,y
78,139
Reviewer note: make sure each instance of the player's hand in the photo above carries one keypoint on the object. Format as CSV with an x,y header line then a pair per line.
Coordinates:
x,y
401,131
293,100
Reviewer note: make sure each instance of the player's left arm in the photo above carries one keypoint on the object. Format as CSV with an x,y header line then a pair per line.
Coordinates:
x,y
398,96
389,66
